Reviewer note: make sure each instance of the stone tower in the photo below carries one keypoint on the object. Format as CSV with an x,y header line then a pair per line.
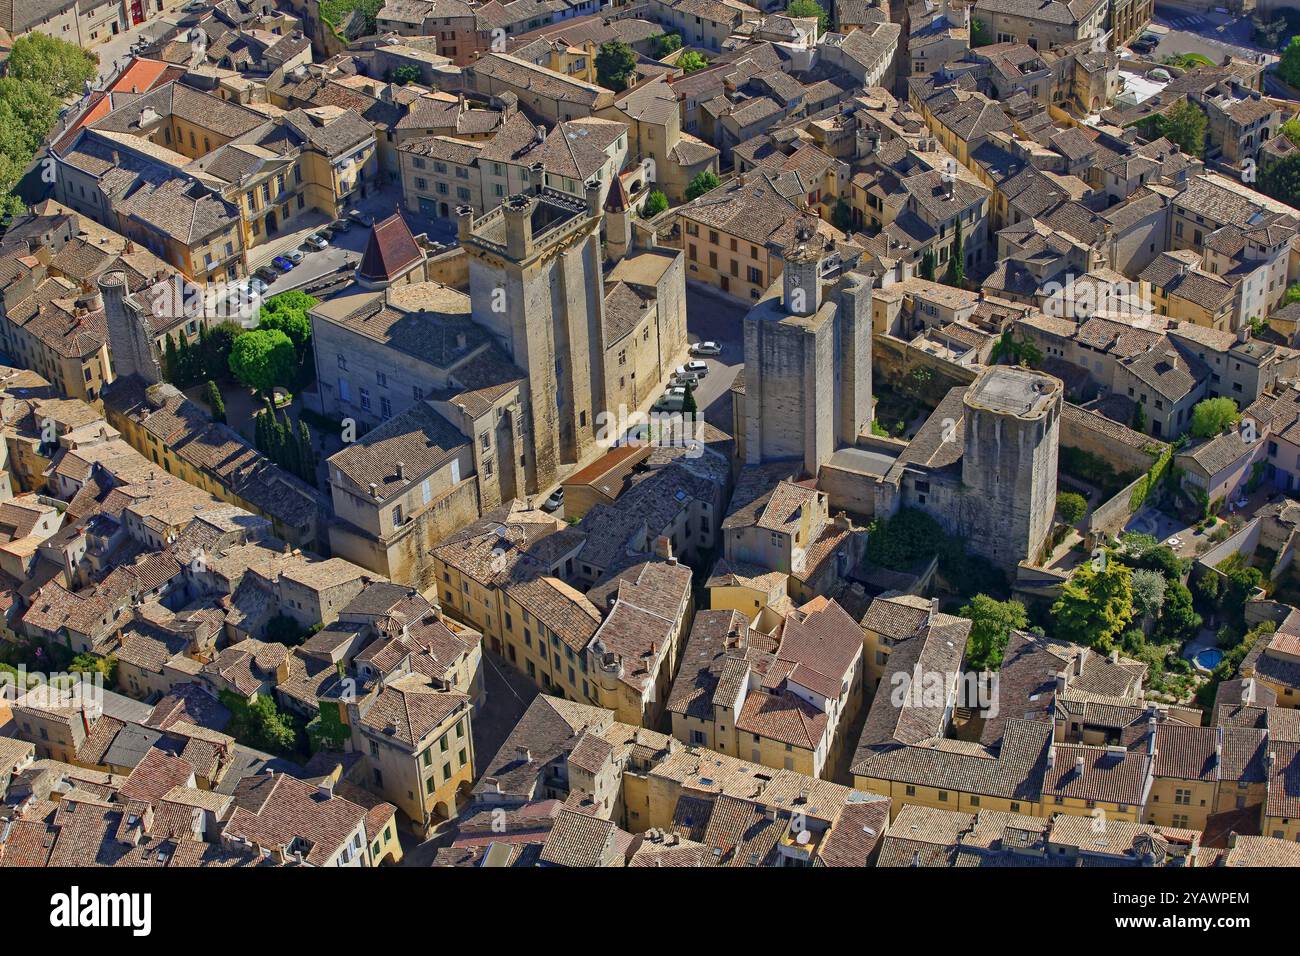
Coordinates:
x,y
535,283
807,361
1008,468
130,342
618,221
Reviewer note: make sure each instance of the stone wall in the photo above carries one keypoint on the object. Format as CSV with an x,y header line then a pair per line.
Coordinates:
x,y
1118,445
892,359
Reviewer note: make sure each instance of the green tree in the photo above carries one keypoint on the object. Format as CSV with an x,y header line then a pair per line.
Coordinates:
x,y
688,401
1213,416
1148,592
1071,507
406,73
171,360
1291,129
665,44
927,266
216,404
60,67
1292,294
188,370
1178,622
979,33
956,274
992,622
1288,67
259,724
1095,604
1281,179
1016,351
214,350
702,183
842,215
655,203
307,453
94,664
809,8
615,66
1184,123
692,60
262,359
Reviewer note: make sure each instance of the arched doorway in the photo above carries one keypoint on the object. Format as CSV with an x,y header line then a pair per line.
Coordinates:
x,y
272,224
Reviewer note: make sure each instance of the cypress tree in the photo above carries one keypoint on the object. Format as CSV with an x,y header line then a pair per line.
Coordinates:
x,y
171,360
308,453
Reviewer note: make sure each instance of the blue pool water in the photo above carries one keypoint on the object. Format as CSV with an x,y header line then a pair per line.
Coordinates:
x,y
1209,658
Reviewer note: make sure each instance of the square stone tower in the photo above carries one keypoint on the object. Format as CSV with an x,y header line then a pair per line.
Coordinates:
x,y
807,361
535,283
130,342
1008,466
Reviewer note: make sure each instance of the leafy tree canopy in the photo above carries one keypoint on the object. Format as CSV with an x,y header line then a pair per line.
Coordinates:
x,y
1213,416
263,359
615,65
61,68
992,622
1095,604
809,8
702,183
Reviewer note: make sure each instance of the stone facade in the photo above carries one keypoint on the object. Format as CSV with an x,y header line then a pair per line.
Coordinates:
x,y
807,363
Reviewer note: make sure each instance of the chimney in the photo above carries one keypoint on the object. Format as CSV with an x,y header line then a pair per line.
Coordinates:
x,y
1243,333
464,221
374,490
524,754
401,471
1078,764
1062,681
1078,661
518,212
1248,691
592,190
537,177
1051,756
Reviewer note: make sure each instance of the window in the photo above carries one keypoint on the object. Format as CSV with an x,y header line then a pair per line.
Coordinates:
x,y
381,379
417,393
365,397
343,361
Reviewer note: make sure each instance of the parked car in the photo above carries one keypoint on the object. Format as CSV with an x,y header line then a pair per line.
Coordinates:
x,y
316,241
267,273
340,225
554,502
360,218
706,348
283,264
257,285
683,378
194,6
295,256
698,368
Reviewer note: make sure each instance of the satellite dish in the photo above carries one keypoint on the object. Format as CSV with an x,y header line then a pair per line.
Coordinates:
x,y
803,838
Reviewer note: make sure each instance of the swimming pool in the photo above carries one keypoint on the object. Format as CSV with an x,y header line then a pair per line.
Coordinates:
x,y
1208,659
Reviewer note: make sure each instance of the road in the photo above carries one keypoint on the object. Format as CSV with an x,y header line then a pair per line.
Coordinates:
x,y
115,51
710,317
1209,34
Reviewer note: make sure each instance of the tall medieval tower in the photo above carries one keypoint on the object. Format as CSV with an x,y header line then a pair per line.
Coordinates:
x,y
130,342
535,283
